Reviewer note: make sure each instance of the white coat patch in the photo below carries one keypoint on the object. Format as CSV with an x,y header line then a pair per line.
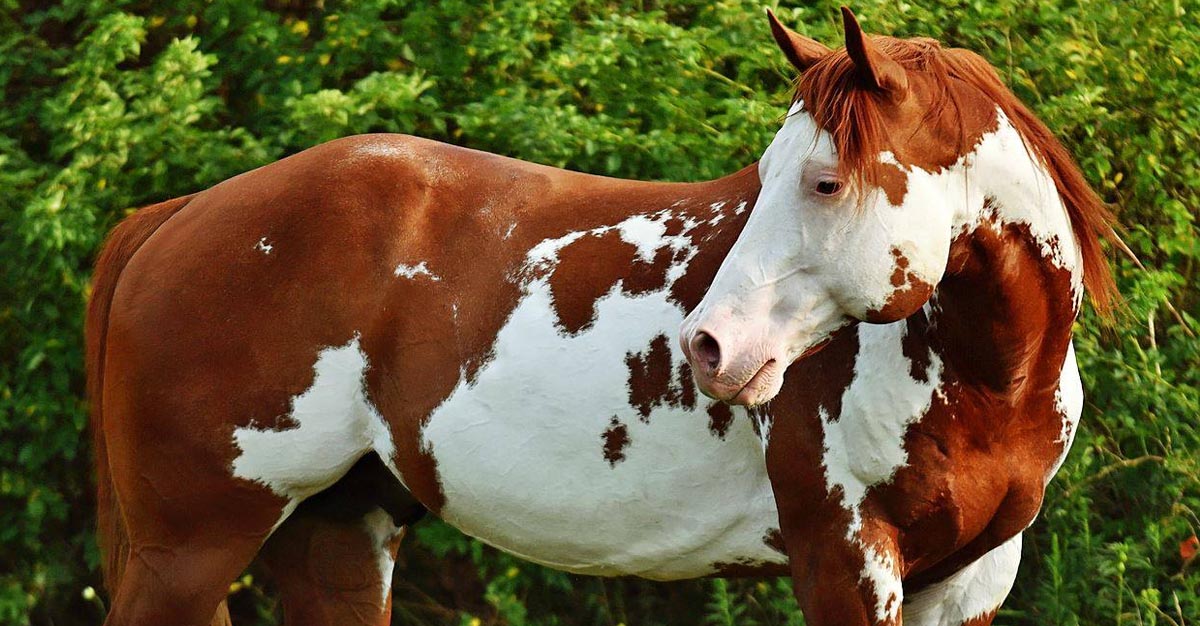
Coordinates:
x,y
334,425
973,591
864,445
382,531
263,246
1023,192
520,454
414,271
882,571
644,233
1068,400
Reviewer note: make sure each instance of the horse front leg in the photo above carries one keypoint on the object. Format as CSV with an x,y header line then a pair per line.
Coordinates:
x,y
845,575
845,561
334,572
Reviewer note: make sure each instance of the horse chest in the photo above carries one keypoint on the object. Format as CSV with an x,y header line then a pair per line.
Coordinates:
x,y
905,442
903,411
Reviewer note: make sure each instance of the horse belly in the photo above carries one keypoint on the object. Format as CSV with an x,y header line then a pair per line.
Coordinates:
x,y
587,452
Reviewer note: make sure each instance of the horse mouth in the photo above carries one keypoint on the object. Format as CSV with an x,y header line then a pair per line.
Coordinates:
x,y
760,381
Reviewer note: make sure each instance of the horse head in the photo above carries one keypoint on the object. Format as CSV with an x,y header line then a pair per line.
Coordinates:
x,y
867,189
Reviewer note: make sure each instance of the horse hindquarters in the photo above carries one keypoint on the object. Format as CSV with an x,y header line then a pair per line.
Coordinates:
x,y
175,527
120,246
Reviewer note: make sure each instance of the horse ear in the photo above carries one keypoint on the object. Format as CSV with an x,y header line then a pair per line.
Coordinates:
x,y
876,68
800,50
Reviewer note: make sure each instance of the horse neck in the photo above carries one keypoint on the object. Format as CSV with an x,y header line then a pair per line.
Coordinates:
x,y
1003,313
718,210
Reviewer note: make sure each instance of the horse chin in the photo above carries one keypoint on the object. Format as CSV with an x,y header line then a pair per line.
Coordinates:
x,y
762,387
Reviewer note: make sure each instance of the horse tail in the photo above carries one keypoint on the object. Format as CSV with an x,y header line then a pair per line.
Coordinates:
x,y
120,246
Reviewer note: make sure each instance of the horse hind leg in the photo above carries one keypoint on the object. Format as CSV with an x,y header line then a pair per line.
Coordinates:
x,y
192,528
970,597
181,576
332,556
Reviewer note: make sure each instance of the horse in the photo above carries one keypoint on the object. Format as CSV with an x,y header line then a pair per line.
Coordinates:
x,y
850,362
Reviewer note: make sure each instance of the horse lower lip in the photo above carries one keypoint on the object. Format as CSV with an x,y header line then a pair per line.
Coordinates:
x,y
741,396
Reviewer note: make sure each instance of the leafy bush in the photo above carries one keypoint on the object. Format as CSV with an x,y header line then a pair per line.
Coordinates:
x,y
110,105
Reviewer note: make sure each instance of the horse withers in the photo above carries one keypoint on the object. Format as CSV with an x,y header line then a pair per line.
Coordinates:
x,y
850,362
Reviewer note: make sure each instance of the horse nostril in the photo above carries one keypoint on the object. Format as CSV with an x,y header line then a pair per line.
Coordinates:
x,y
707,351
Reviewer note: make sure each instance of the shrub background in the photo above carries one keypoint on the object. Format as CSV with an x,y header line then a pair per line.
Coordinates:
x,y
110,105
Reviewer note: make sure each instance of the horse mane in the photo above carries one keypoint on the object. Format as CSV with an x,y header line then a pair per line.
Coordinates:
x,y
851,113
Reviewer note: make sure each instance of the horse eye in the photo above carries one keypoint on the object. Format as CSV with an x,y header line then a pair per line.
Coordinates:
x,y
829,187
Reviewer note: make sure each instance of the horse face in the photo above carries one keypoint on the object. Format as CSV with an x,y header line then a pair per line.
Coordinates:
x,y
822,249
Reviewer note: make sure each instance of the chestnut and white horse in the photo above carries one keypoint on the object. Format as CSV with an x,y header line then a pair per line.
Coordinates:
x,y
300,361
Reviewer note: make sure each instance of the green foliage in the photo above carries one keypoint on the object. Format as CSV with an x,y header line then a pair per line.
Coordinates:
x,y
110,105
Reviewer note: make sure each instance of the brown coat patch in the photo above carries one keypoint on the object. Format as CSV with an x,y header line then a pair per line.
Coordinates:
x,y
687,386
650,378
615,440
587,270
646,277
654,383
774,540
983,620
720,418
909,295
894,182
914,346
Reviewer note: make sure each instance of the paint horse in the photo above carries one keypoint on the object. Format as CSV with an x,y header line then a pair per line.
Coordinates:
x,y
300,361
